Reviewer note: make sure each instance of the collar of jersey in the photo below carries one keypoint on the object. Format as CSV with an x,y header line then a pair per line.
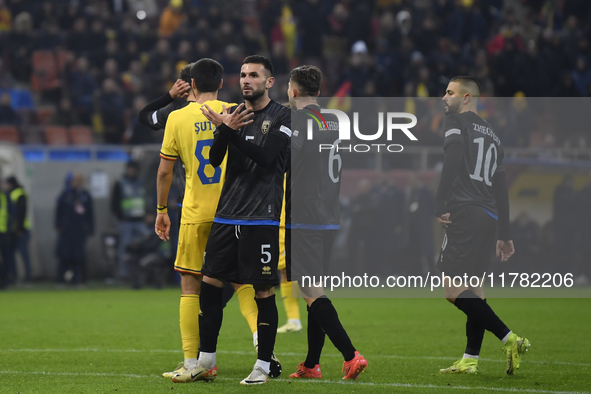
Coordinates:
x,y
263,109
313,107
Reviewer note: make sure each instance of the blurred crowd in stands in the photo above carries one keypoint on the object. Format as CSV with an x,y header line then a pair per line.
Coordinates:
x,y
98,62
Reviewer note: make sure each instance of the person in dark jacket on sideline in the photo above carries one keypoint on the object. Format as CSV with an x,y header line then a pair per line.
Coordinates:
x,y
74,222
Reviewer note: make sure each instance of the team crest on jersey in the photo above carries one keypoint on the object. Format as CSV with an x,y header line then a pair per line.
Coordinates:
x,y
266,126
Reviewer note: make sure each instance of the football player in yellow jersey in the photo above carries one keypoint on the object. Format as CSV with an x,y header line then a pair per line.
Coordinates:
x,y
291,304
189,135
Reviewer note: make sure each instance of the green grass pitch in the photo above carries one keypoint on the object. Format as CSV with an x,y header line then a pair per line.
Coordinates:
x,y
119,341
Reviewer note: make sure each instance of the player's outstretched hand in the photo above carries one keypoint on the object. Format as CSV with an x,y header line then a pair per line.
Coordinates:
x,y
180,89
162,226
234,120
444,220
505,249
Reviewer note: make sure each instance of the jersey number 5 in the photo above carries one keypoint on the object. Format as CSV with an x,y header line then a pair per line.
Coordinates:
x,y
267,254
203,162
491,154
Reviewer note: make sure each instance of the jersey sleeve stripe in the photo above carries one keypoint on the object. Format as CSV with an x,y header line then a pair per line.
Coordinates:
x,y
187,270
167,157
154,117
494,216
452,131
303,226
285,131
247,222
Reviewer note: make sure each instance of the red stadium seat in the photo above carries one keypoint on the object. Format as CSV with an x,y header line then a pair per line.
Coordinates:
x,y
44,115
47,69
32,135
9,133
233,80
56,135
81,135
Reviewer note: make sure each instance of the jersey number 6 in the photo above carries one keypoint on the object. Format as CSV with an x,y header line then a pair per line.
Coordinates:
x,y
332,157
203,162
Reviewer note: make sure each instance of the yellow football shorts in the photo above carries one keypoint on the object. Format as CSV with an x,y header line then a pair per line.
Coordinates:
x,y
281,264
191,247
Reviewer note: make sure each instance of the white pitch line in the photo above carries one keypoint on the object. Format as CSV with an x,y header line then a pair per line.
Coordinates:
x,y
432,386
111,375
289,354
309,381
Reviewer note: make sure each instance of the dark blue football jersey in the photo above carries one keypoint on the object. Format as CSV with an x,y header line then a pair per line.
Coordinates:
x,y
252,194
314,178
483,157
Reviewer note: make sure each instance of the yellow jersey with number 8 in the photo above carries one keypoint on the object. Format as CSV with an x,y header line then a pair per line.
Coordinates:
x,y
189,135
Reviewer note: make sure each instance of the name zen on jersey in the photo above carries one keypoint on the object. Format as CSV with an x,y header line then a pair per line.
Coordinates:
x,y
488,131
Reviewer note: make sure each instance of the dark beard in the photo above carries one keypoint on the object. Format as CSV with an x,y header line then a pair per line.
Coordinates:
x,y
453,109
254,96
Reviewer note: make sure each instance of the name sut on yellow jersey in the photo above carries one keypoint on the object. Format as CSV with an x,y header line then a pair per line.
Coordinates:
x,y
189,135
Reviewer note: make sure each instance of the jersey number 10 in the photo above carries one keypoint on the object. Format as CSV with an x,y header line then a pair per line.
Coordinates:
x,y
203,162
489,171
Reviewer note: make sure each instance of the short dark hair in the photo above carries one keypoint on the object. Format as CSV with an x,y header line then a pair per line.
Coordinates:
x,y
469,82
185,73
258,59
133,164
308,79
207,74
12,182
